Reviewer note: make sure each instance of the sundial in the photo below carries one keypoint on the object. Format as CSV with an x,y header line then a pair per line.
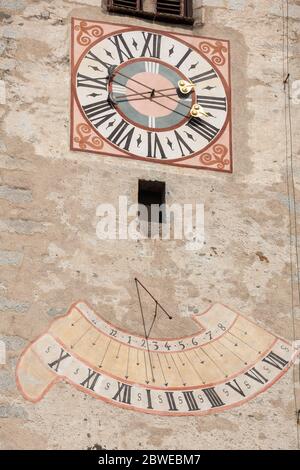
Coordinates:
x,y
228,361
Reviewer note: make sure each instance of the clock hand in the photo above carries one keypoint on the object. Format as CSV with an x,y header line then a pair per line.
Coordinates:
x,y
141,98
146,86
153,99
165,89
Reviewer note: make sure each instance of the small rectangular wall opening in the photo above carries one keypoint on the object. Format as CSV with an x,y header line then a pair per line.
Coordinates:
x,y
150,193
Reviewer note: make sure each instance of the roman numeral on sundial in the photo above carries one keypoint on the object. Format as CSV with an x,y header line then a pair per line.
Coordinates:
x,y
123,394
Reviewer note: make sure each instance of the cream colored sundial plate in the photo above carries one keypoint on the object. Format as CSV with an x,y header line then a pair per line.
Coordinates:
x,y
229,361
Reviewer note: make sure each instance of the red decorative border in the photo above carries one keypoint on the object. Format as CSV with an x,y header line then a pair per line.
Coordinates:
x,y
85,34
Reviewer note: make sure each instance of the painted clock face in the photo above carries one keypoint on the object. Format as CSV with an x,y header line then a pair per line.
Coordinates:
x,y
150,95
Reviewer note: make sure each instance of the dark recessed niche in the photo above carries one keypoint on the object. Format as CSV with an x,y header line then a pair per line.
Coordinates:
x,y
152,192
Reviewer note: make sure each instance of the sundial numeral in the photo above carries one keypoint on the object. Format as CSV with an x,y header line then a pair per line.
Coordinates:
x,y
55,364
254,374
276,361
171,401
113,332
213,397
236,387
190,401
91,380
123,394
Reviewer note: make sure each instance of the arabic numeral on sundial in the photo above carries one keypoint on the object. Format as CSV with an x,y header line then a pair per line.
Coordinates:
x,y
129,340
194,342
208,333
221,326
167,346
113,332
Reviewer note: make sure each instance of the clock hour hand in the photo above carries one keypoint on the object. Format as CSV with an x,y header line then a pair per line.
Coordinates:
x,y
113,101
198,111
185,86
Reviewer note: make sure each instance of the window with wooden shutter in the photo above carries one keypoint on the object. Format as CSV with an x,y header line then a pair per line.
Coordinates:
x,y
162,10
124,5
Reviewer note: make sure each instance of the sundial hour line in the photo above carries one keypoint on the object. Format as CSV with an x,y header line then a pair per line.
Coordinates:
x,y
178,371
162,371
234,354
105,352
72,346
244,342
214,362
194,368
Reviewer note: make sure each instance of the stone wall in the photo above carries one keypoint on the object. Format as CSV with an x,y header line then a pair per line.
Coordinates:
x,y
50,255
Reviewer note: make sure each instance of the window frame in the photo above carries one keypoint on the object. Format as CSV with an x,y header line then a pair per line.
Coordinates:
x,y
186,16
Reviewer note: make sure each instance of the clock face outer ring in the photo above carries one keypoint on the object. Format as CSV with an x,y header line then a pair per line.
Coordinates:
x,y
127,154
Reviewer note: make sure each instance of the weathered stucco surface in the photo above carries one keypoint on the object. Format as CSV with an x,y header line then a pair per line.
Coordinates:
x,y
50,255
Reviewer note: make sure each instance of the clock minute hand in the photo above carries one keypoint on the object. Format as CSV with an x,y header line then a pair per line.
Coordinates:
x,y
149,88
122,100
154,99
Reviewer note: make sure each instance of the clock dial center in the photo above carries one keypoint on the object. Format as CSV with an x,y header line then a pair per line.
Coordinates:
x,y
149,102
146,93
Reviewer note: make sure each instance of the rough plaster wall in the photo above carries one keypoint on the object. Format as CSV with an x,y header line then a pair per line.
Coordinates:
x,y
50,255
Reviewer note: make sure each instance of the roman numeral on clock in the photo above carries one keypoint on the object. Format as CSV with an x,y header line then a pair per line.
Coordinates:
x,y
152,45
119,135
99,112
206,130
123,50
182,144
212,102
202,77
123,394
183,59
90,55
90,82
155,147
